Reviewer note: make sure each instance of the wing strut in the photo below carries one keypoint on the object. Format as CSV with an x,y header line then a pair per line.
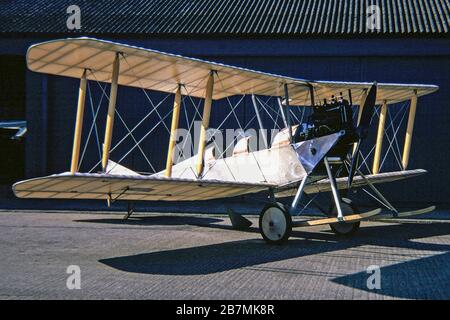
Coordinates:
x,y
380,134
78,124
311,94
173,131
205,122
409,130
111,111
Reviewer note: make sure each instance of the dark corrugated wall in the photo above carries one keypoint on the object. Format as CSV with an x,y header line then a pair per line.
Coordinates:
x,y
245,17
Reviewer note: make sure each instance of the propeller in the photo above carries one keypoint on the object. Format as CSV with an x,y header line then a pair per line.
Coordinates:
x,y
362,129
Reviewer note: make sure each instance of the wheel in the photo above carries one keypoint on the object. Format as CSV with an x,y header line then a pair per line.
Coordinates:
x,y
275,223
343,228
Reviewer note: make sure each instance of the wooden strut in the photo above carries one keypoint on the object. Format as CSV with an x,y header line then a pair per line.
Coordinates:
x,y
173,131
78,124
409,130
311,95
111,112
205,123
379,143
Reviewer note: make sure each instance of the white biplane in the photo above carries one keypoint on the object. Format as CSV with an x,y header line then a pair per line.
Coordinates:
x,y
303,159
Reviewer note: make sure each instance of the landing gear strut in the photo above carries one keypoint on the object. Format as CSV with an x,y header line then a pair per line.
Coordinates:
x,y
344,228
275,220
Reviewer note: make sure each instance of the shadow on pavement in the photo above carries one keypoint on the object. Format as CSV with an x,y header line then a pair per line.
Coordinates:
x,y
248,253
424,278
157,220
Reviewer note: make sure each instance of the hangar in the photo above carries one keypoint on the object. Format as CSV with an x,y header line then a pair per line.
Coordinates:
x,y
325,40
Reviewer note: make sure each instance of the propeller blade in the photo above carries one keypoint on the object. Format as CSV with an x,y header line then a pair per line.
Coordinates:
x,y
353,165
367,111
363,128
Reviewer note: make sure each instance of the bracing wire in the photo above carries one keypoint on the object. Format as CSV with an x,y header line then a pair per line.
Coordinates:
x,y
93,125
130,132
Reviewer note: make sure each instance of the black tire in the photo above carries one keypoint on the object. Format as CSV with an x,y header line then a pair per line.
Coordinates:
x,y
343,228
275,223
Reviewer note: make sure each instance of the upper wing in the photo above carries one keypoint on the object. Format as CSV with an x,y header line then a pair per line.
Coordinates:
x,y
130,187
160,71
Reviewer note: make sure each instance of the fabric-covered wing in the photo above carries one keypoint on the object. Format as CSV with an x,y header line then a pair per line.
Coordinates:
x,y
155,70
358,182
103,186
324,185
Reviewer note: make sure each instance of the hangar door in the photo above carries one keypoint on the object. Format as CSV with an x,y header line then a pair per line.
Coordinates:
x,y
12,107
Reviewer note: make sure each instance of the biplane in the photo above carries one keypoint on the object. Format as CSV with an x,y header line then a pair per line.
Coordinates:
x,y
305,158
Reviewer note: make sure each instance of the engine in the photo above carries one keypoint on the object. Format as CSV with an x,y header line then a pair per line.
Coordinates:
x,y
330,117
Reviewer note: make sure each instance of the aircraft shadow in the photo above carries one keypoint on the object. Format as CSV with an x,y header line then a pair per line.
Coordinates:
x,y
157,220
424,278
221,257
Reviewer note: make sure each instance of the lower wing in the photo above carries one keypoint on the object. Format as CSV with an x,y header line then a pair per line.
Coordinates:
x,y
130,187
358,182
138,187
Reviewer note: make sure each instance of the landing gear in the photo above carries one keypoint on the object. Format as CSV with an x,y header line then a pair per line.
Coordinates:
x,y
344,228
275,220
275,223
